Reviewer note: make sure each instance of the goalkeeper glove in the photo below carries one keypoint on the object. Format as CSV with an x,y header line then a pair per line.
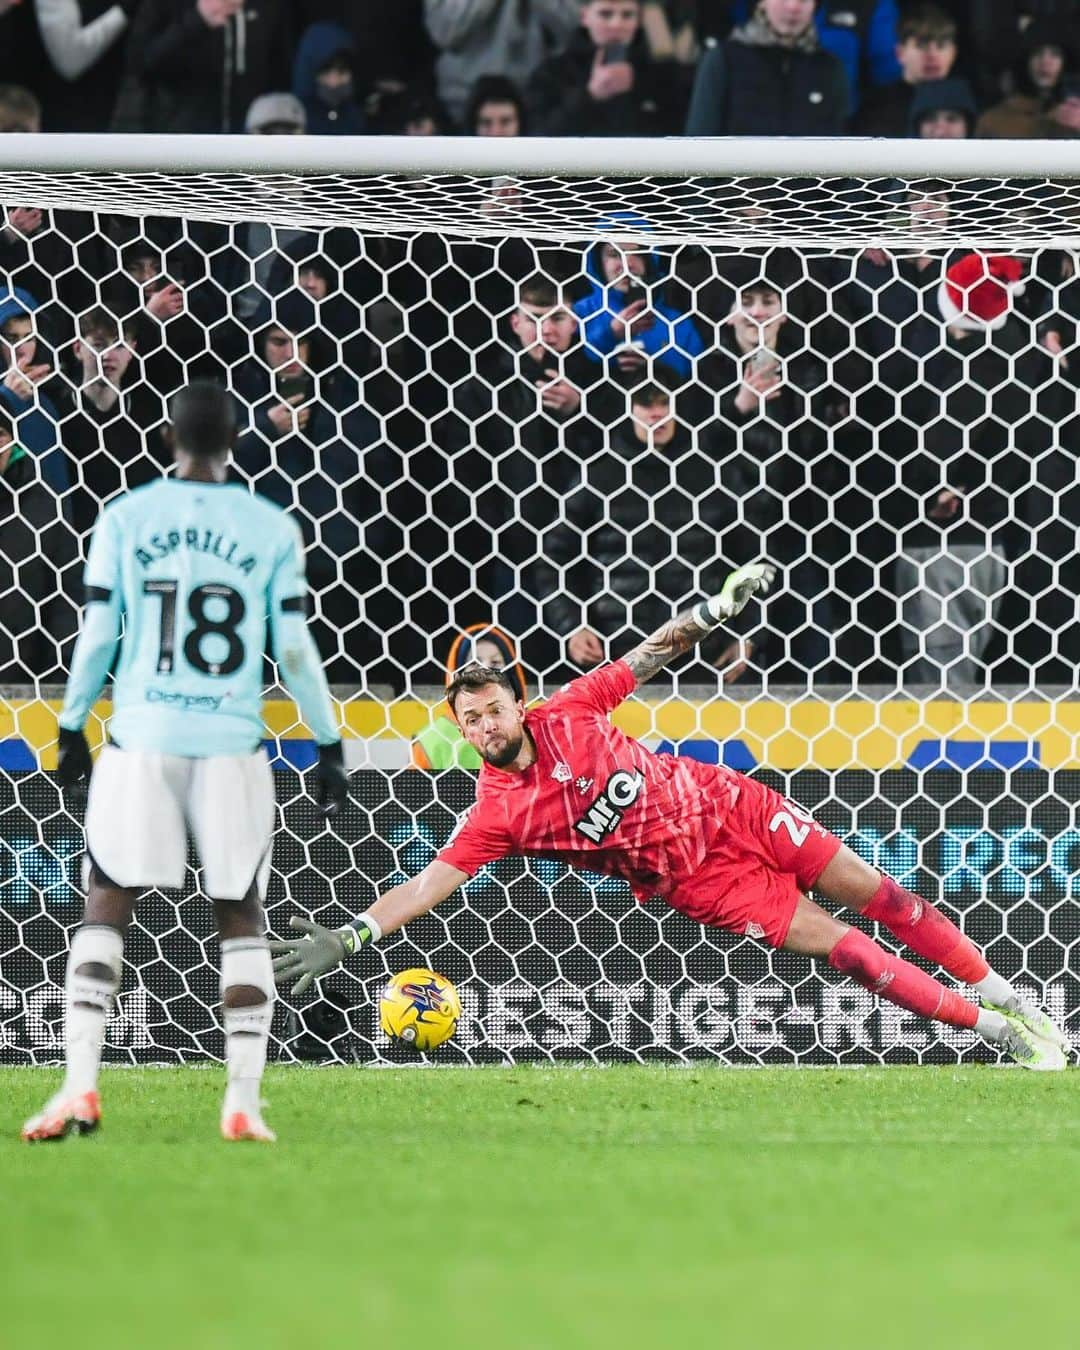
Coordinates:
x,y
735,595
319,951
331,781
73,763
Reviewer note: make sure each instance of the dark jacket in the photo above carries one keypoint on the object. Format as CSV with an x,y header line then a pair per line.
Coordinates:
x,y
986,409
318,467
193,78
537,452
114,450
558,101
39,578
744,90
641,535
886,110
318,45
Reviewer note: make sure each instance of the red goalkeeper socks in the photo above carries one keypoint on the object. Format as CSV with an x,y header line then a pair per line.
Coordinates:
x,y
860,957
923,928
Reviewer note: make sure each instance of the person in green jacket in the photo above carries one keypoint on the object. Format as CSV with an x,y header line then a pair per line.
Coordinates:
x,y
441,745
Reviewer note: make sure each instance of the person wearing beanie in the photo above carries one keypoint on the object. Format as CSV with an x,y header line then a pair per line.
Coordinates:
x,y
943,110
441,745
1047,55
280,114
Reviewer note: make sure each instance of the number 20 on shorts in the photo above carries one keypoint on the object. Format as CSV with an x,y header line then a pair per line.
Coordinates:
x,y
789,820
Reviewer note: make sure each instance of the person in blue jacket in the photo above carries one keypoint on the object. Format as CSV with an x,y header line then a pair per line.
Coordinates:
x,y
626,320
25,368
324,80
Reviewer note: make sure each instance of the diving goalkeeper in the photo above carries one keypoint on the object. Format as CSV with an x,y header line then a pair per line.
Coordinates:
x,y
560,781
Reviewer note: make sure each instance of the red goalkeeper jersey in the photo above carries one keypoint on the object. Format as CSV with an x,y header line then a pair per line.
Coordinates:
x,y
596,798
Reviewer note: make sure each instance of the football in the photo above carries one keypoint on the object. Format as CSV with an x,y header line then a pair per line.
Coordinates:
x,y
420,1009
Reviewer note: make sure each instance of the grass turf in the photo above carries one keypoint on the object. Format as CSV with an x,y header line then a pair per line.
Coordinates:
x,y
542,1207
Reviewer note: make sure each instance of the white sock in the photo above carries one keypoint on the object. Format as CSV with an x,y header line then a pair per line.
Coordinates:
x,y
996,989
246,961
87,1001
991,1025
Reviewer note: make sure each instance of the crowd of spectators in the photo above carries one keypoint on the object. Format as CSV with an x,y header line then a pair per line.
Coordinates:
x,y
989,68
564,440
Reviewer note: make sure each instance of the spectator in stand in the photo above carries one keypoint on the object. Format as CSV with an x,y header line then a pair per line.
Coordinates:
x,y
943,110
643,529
1062,118
770,78
324,79
114,437
495,108
27,368
986,408
926,50
775,410
630,327
84,41
169,337
304,450
605,83
480,37
528,411
276,115
196,65
441,745
39,570
860,33
1048,54
390,41
409,112
20,110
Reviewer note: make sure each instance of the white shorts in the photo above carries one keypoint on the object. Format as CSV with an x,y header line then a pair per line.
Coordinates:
x,y
142,806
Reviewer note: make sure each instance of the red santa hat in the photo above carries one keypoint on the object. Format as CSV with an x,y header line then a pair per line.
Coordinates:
x,y
978,291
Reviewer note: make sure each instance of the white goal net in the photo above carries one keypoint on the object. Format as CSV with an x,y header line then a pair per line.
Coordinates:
x,y
541,401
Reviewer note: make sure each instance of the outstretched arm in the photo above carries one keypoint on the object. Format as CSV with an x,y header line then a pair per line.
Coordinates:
x,y
678,635
305,959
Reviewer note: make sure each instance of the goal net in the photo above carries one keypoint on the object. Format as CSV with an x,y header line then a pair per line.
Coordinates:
x,y
537,395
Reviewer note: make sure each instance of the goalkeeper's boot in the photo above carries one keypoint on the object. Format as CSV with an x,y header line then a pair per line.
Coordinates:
x,y
64,1115
1027,1011
1027,1049
237,1126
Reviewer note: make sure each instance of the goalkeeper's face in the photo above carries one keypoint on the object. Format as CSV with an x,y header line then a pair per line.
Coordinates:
x,y
493,723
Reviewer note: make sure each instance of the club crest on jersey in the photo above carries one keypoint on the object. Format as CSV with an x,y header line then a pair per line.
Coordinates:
x,y
602,818
562,773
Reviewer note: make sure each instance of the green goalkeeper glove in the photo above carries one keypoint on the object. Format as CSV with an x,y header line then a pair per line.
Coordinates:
x,y
318,952
737,590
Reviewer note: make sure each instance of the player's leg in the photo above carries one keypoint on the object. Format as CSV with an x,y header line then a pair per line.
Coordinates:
x,y
849,881
135,840
90,986
231,812
247,999
851,952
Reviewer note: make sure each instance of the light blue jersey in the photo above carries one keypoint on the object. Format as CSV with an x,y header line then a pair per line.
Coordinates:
x,y
194,581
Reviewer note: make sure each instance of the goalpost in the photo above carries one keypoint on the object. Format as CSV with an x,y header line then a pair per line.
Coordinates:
x,y
858,358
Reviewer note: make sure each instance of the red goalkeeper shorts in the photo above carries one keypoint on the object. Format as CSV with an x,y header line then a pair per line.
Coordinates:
x,y
770,850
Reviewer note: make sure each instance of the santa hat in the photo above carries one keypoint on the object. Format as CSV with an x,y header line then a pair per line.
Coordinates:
x,y
978,291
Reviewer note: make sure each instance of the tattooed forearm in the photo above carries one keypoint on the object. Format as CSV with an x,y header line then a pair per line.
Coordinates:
x,y
676,636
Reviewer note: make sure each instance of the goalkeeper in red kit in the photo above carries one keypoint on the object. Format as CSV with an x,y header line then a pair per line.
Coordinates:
x,y
560,781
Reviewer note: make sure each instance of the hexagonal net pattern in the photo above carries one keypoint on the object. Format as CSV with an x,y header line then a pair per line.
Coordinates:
x,y
547,413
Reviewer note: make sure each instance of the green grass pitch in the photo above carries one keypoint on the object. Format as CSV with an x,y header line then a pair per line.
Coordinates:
x,y
551,1207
